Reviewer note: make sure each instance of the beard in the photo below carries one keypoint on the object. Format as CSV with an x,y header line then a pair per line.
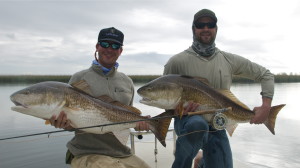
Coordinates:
x,y
206,38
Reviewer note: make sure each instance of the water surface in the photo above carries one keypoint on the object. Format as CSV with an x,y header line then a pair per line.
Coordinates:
x,y
253,145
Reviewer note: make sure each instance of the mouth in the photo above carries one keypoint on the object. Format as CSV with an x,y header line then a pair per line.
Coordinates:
x,y
19,104
145,99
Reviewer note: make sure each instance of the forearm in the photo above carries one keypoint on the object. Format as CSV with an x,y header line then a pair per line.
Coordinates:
x,y
266,102
267,85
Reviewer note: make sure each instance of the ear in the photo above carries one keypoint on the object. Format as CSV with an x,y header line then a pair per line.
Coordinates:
x,y
97,46
121,50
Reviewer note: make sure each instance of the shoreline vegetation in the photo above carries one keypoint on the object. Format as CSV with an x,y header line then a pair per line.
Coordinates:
x,y
31,79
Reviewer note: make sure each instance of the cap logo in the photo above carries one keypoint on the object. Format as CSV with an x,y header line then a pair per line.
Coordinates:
x,y
111,34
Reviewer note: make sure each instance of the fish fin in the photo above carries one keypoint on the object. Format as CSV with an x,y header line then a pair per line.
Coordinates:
x,y
232,97
109,100
122,135
180,109
47,122
203,80
83,86
270,122
62,104
160,127
106,99
231,128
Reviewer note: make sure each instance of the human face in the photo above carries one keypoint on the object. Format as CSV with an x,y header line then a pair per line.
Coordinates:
x,y
205,35
108,56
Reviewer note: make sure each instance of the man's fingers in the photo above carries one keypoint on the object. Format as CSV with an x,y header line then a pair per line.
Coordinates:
x,y
141,126
191,107
61,121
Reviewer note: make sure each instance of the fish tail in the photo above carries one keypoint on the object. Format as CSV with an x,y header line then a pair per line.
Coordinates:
x,y
270,122
160,127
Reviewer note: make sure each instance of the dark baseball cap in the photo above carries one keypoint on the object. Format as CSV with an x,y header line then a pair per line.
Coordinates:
x,y
111,34
205,12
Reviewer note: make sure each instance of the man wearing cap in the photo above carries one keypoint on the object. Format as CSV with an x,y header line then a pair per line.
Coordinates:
x,y
204,59
103,150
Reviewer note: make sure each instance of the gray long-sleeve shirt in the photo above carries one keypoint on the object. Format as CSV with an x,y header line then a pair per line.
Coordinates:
x,y
119,87
219,69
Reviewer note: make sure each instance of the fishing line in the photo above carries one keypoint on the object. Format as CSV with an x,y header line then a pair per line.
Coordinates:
x,y
196,132
37,139
103,125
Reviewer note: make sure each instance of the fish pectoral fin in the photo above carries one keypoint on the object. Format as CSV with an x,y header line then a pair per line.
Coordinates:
x,y
61,104
122,135
230,128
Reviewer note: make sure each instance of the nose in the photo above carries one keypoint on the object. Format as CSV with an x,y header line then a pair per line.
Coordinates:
x,y
205,27
110,48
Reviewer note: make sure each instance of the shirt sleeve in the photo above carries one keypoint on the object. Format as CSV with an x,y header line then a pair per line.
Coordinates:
x,y
245,68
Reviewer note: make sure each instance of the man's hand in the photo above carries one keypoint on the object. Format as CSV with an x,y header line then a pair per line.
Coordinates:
x,y
187,107
262,112
142,125
61,121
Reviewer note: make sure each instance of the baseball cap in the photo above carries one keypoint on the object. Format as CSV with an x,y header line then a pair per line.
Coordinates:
x,y
205,12
111,34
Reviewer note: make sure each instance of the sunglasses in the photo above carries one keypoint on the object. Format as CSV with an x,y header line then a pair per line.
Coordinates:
x,y
201,25
114,46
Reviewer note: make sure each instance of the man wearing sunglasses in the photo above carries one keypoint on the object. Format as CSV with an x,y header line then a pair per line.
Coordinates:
x,y
88,150
204,59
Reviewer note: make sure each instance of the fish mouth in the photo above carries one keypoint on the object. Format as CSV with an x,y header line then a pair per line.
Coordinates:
x,y
145,99
19,104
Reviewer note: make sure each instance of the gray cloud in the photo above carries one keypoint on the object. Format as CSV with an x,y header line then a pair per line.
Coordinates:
x,y
53,37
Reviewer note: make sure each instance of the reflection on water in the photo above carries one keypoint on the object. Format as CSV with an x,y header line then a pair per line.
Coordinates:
x,y
253,145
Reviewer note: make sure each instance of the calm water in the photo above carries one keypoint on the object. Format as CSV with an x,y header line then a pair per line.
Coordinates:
x,y
253,145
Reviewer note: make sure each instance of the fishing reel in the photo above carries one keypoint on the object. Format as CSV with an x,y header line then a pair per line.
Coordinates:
x,y
219,121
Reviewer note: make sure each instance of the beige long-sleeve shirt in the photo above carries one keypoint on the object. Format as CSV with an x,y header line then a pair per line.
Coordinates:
x,y
220,68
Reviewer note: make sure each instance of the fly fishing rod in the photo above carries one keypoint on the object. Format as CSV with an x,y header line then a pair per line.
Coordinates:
x,y
218,111
74,129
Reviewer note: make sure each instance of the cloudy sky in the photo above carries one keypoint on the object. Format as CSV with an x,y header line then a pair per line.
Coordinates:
x,y
59,37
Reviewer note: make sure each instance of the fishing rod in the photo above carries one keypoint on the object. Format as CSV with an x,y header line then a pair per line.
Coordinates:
x,y
74,129
218,111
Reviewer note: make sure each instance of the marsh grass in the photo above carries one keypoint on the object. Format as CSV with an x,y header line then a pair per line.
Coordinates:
x,y
30,79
